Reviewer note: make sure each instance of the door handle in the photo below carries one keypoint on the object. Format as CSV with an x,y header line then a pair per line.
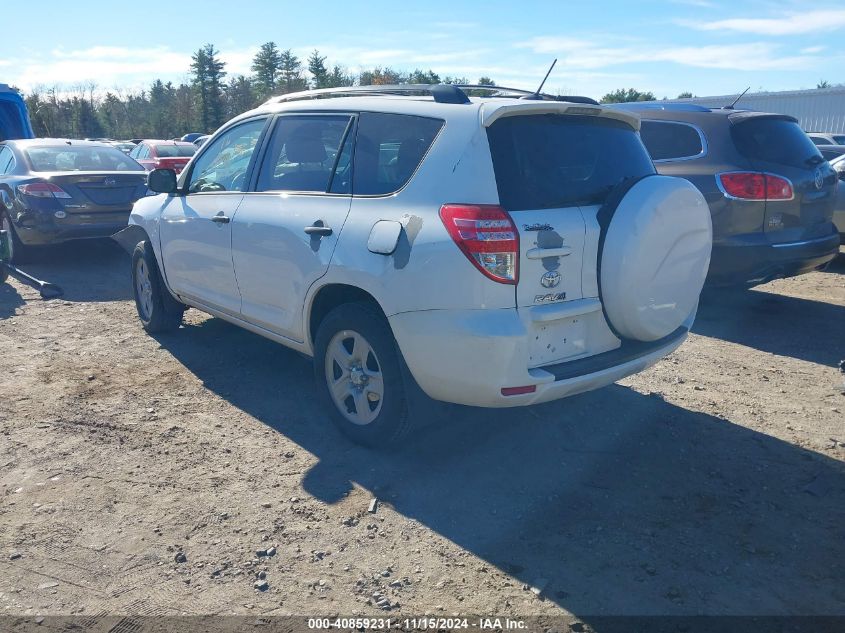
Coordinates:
x,y
318,230
221,219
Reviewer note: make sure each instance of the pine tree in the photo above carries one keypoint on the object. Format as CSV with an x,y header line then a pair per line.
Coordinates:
x,y
290,75
318,70
266,65
240,96
208,72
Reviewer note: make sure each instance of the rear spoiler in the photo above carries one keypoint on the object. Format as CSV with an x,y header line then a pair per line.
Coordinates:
x,y
492,112
744,115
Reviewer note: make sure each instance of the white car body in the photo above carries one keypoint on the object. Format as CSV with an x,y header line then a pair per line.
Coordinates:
x,y
463,337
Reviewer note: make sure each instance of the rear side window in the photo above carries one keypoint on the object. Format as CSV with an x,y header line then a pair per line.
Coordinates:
x,y
549,161
667,140
775,140
388,150
305,155
840,139
6,162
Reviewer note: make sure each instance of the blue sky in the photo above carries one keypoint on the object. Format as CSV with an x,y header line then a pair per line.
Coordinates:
x,y
709,47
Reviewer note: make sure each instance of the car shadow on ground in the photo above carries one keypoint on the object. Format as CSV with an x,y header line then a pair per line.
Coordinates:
x,y
10,300
612,502
86,270
787,326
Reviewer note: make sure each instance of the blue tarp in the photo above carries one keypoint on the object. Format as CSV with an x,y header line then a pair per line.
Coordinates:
x,y
14,119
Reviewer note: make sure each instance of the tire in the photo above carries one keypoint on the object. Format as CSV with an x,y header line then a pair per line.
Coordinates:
x,y
19,253
157,309
353,348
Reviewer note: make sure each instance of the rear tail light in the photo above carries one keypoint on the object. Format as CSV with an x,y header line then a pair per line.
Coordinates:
x,y
755,185
43,190
487,236
517,391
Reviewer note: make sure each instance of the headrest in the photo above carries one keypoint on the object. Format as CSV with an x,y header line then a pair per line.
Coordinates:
x,y
305,149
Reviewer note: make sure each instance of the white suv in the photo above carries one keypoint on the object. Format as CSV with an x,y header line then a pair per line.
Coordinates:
x,y
494,251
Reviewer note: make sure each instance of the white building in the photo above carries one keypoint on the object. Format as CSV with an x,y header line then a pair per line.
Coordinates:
x,y
821,110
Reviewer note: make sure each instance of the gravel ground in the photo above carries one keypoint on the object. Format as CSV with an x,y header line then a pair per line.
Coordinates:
x,y
194,474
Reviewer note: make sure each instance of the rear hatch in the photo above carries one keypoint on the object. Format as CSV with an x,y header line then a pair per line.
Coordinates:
x,y
101,191
553,172
777,146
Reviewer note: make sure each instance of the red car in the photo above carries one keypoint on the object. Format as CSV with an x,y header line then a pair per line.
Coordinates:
x,y
153,154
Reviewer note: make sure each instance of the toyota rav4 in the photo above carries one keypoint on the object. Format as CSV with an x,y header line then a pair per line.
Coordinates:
x,y
493,251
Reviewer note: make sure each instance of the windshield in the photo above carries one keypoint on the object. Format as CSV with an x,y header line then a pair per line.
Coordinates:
x,y
553,160
80,158
174,151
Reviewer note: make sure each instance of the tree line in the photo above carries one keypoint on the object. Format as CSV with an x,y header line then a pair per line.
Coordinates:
x,y
208,99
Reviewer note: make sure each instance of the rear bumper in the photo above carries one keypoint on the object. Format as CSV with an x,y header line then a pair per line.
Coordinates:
x,y
467,357
749,261
42,229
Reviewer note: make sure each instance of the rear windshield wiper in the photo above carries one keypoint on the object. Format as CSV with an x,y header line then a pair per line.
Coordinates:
x,y
814,160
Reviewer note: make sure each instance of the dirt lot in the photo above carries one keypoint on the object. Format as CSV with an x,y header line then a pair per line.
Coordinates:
x,y
711,484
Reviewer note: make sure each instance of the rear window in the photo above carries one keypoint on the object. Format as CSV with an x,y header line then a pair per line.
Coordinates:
x,y
388,150
666,140
79,158
773,140
175,151
548,161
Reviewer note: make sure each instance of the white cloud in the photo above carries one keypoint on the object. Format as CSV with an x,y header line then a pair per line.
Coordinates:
x,y
108,66
786,24
585,54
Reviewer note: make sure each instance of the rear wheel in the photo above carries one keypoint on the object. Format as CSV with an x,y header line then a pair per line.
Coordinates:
x,y
18,251
157,309
358,369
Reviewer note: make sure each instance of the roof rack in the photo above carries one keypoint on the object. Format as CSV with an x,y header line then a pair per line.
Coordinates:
x,y
442,93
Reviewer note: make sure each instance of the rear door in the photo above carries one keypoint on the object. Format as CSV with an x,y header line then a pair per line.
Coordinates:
x,y
553,173
777,145
196,228
285,232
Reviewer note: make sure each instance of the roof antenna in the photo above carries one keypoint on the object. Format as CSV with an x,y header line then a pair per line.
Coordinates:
x,y
536,94
731,107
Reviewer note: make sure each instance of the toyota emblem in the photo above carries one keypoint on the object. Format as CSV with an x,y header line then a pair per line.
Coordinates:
x,y
550,279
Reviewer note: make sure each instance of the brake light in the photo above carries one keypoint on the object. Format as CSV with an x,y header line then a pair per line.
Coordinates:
x,y
487,236
43,190
755,185
517,391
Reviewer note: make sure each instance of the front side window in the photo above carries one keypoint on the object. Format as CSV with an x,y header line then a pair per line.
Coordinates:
x,y
666,140
388,150
224,163
305,155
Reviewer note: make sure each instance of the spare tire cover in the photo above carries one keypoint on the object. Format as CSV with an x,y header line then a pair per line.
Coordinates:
x,y
655,257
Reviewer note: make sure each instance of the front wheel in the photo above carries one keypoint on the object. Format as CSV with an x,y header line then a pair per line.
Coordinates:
x,y
357,367
157,309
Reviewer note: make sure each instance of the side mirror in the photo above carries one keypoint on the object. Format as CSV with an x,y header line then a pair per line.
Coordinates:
x,y
162,181
841,174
